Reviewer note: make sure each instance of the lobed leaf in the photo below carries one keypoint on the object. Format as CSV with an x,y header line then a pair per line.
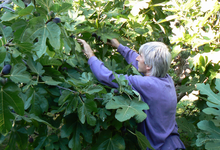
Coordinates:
x,y
84,112
35,67
2,54
19,74
212,137
127,109
205,89
9,98
42,32
142,141
116,142
49,80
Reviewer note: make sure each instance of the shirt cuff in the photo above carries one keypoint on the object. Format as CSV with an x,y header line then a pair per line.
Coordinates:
x,y
120,48
92,59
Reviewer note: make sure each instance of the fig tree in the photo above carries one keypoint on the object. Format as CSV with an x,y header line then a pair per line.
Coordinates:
x,y
6,70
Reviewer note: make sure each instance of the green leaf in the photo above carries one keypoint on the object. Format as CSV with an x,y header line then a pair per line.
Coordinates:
x,y
111,64
66,130
74,142
93,89
72,130
112,143
35,67
127,108
72,104
205,89
26,11
42,32
7,32
48,80
85,110
86,77
34,117
142,141
19,138
212,137
19,27
210,127
39,103
101,125
72,61
103,113
168,18
20,3
59,9
175,51
123,84
19,74
186,126
65,94
77,46
8,16
46,142
2,54
212,111
63,144
9,97
46,60
45,3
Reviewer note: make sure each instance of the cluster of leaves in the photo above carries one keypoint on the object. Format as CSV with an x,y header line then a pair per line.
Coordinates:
x,y
195,40
49,97
210,127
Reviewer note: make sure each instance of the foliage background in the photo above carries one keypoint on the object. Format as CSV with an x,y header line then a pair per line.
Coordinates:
x,y
51,100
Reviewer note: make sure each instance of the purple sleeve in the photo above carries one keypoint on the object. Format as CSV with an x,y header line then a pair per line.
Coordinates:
x,y
129,55
104,75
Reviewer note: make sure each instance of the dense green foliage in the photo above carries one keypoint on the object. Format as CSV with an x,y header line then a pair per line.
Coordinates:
x,y
50,99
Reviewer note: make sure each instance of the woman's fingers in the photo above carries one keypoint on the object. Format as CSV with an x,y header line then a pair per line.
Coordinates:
x,y
87,49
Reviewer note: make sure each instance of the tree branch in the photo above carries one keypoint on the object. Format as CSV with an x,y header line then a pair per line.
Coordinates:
x,y
6,2
180,96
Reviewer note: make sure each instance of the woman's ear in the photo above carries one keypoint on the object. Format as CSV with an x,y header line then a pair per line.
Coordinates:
x,y
148,68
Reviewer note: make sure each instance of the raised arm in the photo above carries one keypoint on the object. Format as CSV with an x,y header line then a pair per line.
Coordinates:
x,y
103,74
129,55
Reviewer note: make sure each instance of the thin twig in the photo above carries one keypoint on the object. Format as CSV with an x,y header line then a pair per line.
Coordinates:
x,y
66,89
6,2
80,97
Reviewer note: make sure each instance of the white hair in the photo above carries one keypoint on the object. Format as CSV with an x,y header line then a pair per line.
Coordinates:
x,y
157,56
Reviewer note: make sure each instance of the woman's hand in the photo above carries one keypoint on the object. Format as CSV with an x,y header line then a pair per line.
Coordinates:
x,y
113,42
87,49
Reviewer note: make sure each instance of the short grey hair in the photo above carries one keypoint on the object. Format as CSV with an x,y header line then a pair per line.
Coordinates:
x,y
157,56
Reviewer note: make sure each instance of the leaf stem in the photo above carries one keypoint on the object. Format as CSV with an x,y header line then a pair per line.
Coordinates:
x,y
80,97
131,132
6,75
66,89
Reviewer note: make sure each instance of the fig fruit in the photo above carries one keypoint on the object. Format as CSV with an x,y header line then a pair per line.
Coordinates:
x,y
94,35
31,140
6,70
56,20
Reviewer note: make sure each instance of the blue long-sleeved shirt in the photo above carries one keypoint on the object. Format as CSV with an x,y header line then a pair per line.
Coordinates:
x,y
160,126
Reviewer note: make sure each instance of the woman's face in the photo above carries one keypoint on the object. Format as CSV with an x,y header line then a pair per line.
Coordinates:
x,y
142,67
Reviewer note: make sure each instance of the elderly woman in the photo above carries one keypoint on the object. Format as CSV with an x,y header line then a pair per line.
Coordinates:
x,y
156,88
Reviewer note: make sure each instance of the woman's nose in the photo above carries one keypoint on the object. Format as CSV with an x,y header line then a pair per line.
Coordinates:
x,y
138,57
